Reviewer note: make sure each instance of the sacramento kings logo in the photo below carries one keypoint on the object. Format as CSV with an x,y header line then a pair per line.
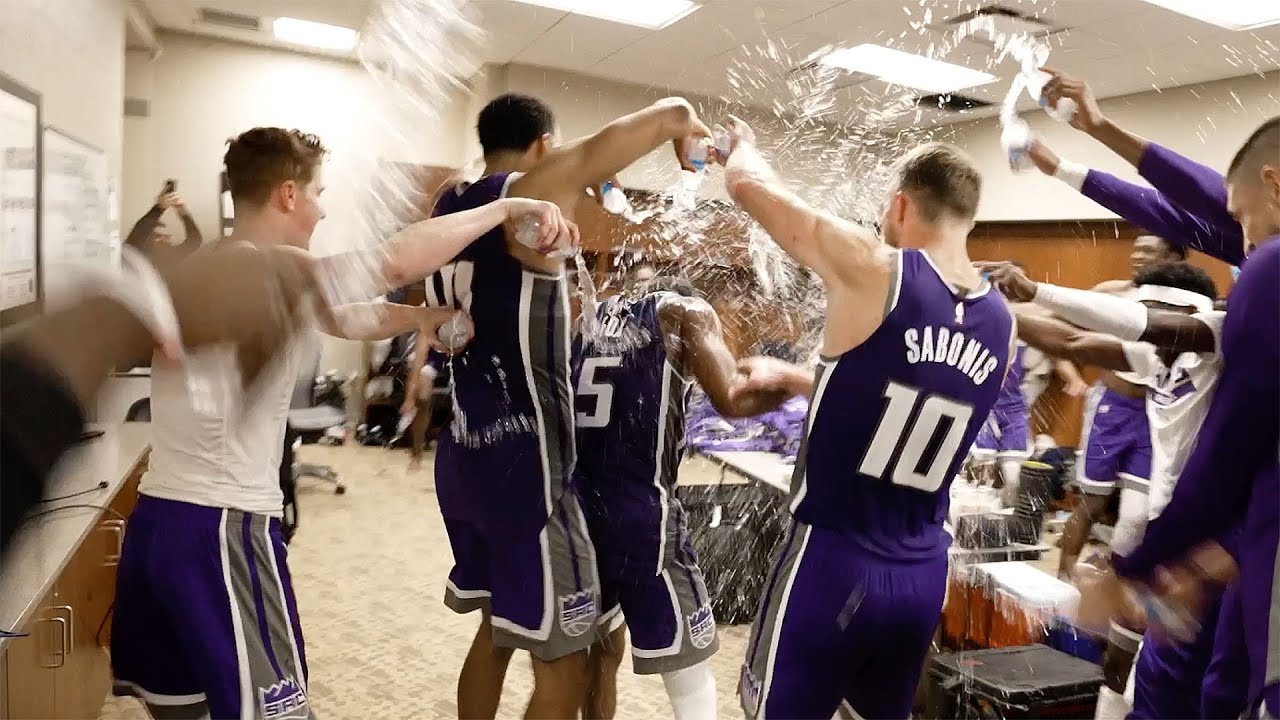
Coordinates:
x,y
750,690
577,612
702,627
283,701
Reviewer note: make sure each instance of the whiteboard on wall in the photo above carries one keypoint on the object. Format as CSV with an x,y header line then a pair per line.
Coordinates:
x,y
19,194
76,197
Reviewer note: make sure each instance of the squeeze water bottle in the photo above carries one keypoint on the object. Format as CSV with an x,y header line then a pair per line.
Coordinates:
x,y
1063,111
527,232
454,332
615,201
1016,139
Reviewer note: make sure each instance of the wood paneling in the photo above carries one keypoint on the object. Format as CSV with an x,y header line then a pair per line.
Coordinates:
x,y
1074,254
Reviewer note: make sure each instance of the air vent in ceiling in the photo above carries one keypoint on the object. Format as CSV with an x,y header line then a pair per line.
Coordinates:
x,y
1006,22
951,102
230,19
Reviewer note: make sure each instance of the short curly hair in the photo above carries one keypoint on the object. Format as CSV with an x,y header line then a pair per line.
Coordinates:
x,y
259,160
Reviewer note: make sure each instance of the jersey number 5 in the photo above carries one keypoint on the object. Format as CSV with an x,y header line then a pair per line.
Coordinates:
x,y
900,401
590,386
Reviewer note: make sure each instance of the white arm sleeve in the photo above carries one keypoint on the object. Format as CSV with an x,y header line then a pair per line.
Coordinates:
x,y
1142,358
1123,318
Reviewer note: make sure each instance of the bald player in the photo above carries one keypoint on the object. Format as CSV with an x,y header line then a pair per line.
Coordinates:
x,y
1232,479
634,379
919,338
522,555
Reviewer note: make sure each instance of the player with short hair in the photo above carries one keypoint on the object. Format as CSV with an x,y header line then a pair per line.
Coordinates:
x,y
522,555
915,349
205,622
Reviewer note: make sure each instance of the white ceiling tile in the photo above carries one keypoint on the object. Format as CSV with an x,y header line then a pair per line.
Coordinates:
x,y
578,42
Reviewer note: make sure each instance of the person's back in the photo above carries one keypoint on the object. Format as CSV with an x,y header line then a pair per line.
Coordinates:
x,y
933,368
511,382
210,445
916,347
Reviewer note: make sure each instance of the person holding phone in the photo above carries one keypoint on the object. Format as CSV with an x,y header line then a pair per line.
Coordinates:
x,y
150,235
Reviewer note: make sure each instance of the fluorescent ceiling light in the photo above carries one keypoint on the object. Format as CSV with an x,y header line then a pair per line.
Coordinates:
x,y
905,69
1229,14
314,34
651,14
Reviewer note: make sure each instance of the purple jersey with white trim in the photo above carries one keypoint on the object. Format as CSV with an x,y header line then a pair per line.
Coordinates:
x,y
512,434
892,419
630,405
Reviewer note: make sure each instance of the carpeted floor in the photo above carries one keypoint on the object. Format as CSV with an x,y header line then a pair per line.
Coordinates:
x,y
369,569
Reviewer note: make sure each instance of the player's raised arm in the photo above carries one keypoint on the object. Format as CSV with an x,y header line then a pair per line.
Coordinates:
x,y
736,388
1145,207
1125,319
834,248
566,171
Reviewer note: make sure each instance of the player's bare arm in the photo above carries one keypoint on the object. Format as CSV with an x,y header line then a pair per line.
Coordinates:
x,y
704,353
563,176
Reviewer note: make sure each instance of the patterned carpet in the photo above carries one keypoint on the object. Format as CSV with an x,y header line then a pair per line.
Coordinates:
x,y
369,569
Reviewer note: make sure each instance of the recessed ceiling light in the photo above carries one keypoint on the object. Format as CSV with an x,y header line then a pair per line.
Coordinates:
x,y
314,34
651,14
905,69
1229,14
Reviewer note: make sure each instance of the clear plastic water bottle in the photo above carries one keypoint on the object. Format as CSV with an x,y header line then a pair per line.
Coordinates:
x,y
1063,111
1016,139
454,332
527,233
615,201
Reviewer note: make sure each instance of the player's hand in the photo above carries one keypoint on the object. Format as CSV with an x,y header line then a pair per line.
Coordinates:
x,y
1067,567
1189,584
697,132
1076,387
1045,160
170,200
766,374
738,133
1104,596
555,232
1088,116
1009,279
458,329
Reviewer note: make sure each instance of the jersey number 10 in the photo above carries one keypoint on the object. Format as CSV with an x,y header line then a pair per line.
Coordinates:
x,y
900,401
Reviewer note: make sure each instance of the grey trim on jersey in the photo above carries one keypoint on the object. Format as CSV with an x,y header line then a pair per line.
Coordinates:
x,y
766,632
548,371
895,283
670,441
821,374
1273,628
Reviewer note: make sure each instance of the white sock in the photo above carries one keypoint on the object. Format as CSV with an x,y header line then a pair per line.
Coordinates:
x,y
1111,705
692,692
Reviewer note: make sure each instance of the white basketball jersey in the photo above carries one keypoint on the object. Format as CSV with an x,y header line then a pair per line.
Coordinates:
x,y
213,444
1178,399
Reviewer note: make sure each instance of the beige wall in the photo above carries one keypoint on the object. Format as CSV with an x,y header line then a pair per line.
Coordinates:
x,y
1205,122
72,53
206,91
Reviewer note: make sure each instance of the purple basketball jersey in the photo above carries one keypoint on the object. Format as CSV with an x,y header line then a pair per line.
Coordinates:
x,y
892,419
512,435
1011,397
630,417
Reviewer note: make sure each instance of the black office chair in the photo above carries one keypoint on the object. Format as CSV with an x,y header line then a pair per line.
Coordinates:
x,y
310,420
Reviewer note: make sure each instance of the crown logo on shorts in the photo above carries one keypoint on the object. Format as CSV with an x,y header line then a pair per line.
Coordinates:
x,y
749,688
578,612
702,627
284,700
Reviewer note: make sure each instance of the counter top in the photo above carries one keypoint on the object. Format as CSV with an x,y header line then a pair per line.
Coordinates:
x,y
46,542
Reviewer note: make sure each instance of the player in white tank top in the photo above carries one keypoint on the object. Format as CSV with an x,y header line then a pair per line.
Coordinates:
x,y
206,624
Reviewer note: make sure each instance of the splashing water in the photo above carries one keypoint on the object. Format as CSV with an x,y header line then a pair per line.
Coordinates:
x,y
588,322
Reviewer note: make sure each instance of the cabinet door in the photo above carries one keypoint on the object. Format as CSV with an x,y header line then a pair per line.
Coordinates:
x,y
32,664
85,679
